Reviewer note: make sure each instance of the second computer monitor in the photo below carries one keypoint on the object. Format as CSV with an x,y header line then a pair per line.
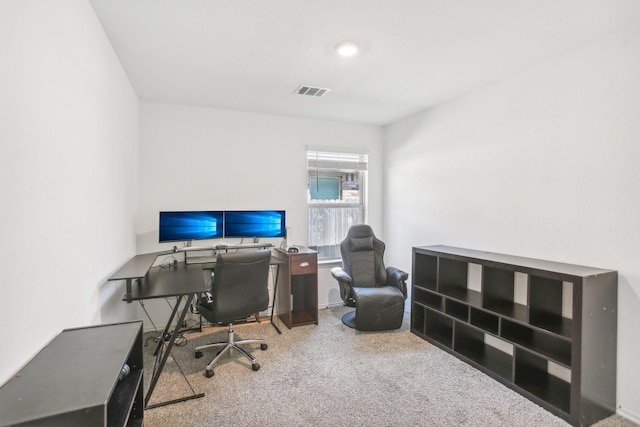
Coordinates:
x,y
261,223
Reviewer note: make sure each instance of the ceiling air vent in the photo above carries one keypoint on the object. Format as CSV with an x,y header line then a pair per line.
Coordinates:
x,y
311,90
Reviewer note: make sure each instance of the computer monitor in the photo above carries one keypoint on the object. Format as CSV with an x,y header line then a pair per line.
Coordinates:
x,y
255,224
191,225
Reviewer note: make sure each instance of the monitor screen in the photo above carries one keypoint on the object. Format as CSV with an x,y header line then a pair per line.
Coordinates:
x,y
192,225
254,224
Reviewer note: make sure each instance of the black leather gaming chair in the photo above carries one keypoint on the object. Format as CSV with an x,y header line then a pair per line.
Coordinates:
x,y
377,293
239,289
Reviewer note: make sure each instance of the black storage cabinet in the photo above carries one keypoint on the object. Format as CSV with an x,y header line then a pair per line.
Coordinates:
x,y
546,329
75,381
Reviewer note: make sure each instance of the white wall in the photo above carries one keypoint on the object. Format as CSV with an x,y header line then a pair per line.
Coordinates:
x,y
205,159
544,164
68,155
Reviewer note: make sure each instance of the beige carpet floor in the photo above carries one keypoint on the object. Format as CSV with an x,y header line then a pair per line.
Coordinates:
x,y
330,375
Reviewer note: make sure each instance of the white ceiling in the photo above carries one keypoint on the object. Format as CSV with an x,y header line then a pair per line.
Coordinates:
x,y
251,55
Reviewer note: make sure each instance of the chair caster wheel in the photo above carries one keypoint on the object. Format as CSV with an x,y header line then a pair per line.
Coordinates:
x,y
263,346
255,366
198,354
209,373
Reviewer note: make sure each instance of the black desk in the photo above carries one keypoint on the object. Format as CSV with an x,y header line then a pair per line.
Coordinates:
x,y
169,281
136,269
179,280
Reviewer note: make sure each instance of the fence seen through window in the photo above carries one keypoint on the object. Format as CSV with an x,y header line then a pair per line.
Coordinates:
x,y
336,198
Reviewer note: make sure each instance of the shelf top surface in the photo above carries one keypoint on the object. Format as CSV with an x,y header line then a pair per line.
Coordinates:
x,y
77,370
513,261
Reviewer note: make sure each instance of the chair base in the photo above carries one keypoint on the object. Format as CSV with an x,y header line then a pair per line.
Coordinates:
x,y
231,343
349,319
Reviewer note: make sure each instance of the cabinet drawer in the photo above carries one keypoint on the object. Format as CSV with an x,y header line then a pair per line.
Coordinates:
x,y
303,264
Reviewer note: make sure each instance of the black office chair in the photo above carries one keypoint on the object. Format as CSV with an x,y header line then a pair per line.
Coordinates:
x,y
239,290
377,293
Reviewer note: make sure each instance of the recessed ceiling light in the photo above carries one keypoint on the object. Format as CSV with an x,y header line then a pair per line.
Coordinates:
x,y
347,48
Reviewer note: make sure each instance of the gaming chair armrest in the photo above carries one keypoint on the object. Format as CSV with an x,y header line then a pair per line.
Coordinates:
x,y
346,285
397,278
340,275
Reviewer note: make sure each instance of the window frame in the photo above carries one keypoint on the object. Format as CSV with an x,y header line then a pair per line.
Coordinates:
x,y
336,163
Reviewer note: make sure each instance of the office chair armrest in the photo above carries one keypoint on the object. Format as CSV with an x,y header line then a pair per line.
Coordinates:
x,y
397,278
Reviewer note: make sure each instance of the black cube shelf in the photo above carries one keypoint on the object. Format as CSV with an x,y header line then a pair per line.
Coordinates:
x,y
558,348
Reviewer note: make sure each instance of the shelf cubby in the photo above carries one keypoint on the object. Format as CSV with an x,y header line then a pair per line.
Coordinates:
x,y
427,298
546,329
439,327
417,318
532,374
470,343
425,272
452,276
497,288
466,296
550,345
546,302
484,320
457,310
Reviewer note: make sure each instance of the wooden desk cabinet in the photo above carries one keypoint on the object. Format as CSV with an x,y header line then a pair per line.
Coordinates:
x,y
74,380
297,294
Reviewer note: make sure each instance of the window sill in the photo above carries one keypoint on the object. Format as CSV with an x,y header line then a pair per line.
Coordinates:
x,y
330,262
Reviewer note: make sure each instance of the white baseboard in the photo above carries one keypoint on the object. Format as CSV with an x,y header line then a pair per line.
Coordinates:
x,y
631,417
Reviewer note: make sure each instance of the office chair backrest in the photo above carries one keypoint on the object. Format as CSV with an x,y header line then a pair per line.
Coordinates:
x,y
362,257
240,284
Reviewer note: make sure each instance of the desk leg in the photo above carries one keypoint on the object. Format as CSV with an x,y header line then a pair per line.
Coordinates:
x,y
165,355
275,295
165,333
127,296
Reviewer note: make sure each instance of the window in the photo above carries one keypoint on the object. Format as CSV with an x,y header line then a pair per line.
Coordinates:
x,y
336,198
